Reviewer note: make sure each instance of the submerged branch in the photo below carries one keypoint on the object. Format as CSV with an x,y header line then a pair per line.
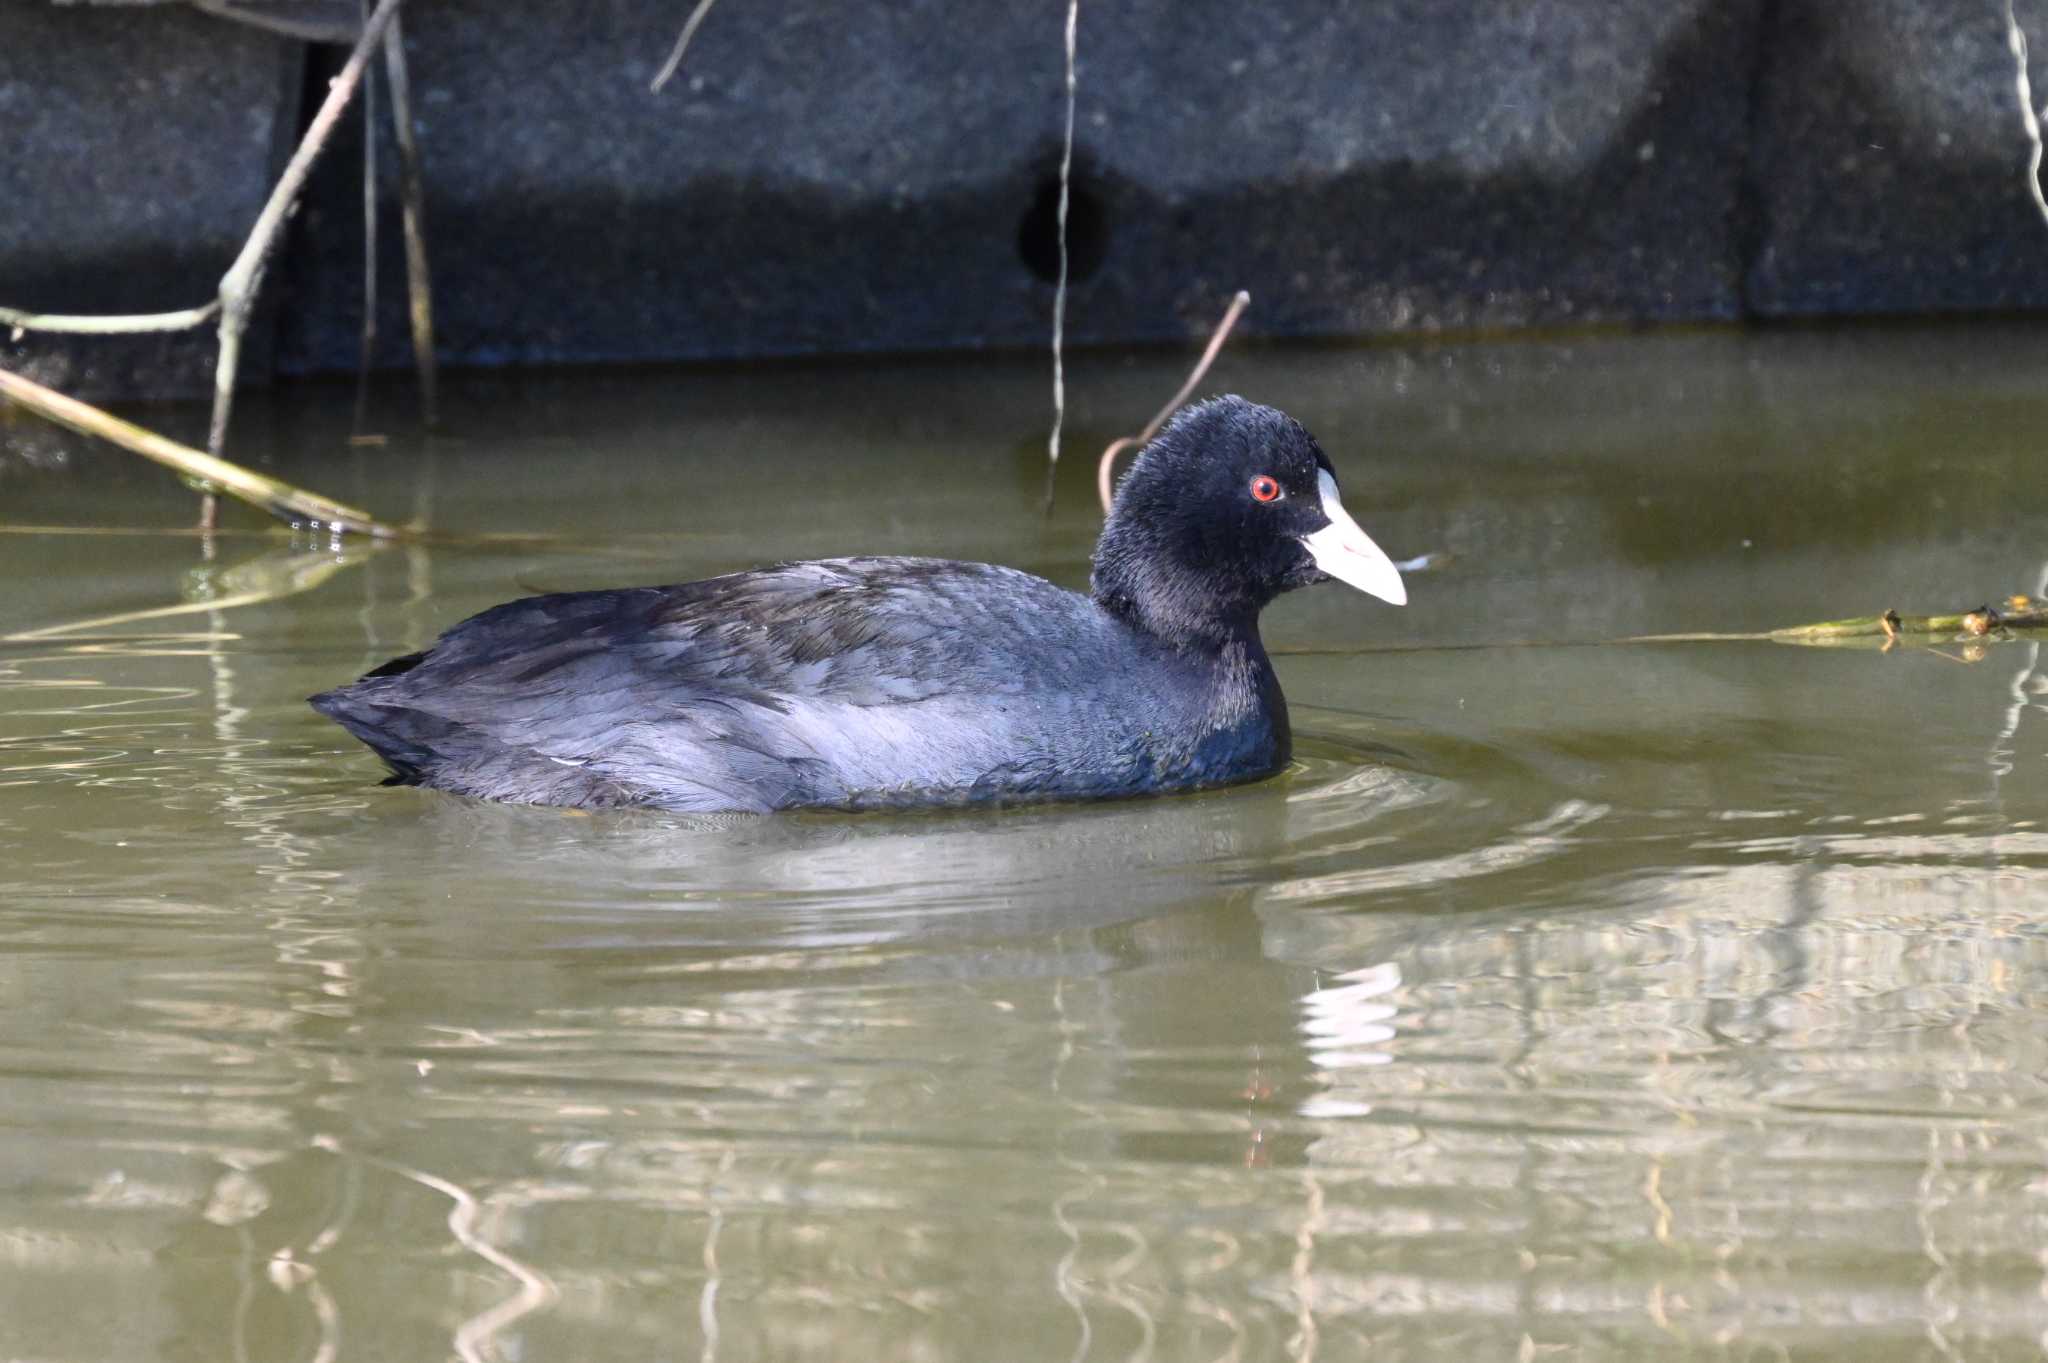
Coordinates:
x,y
2018,613
1105,468
282,500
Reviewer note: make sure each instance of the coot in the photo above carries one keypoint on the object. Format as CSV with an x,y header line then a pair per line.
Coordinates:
x,y
864,683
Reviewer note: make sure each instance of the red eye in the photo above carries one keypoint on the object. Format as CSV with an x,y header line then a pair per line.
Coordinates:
x,y
1265,488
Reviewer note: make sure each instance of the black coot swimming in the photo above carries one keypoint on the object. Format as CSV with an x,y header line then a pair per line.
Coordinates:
x,y
865,683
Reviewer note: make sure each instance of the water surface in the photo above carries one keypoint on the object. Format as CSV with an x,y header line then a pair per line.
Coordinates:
x,y
1566,999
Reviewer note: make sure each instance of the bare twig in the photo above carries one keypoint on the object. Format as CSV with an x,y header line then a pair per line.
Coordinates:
x,y
16,320
369,336
2030,118
1105,468
1059,296
412,198
239,286
282,500
285,25
675,57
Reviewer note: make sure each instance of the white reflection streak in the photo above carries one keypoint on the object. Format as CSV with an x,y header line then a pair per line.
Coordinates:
x,y
1229,1253
419,588
237,1201
351,1192
419,563
1204,1307
2001,758
287,1273
1344,1025
1148,1328
1527,844
1924,1203
245,1294
1063,1271
707,1301
329,1316
474,1336
227,715
1302,1272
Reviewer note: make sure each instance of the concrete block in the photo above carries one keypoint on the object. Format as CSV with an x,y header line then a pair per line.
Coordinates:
x,y
831,177
139,146
1888,171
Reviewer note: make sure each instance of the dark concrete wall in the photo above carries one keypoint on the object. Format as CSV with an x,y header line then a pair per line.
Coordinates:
x,y
1889,162
827,177
136,148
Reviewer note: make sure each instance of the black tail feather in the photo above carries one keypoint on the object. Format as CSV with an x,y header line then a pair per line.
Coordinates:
x,y
397,667
392,733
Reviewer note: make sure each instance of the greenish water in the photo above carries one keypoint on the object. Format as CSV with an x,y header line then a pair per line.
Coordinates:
x,y
1565,1001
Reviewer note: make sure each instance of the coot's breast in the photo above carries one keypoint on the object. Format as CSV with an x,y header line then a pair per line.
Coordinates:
x,y
854,683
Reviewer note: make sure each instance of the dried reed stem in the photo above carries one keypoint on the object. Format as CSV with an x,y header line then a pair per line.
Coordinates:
x,y
239,286
412,199
1105,468
291,504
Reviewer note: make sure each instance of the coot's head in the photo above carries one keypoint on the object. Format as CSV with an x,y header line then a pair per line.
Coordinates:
x,y
1230,506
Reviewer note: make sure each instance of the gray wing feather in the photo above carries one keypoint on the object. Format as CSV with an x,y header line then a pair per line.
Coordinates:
x,y
833,682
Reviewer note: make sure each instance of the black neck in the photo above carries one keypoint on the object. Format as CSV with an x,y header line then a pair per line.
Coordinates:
x,y
1183,605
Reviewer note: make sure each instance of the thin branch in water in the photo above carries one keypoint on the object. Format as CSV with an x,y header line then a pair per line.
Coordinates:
x,y
290,504
19,321
1059,297
144,531
1105,468
369,337
239,286
675,56
2030,119
2019,612
412,198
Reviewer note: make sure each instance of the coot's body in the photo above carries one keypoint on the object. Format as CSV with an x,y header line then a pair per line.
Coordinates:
x,y
868,683
855,683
